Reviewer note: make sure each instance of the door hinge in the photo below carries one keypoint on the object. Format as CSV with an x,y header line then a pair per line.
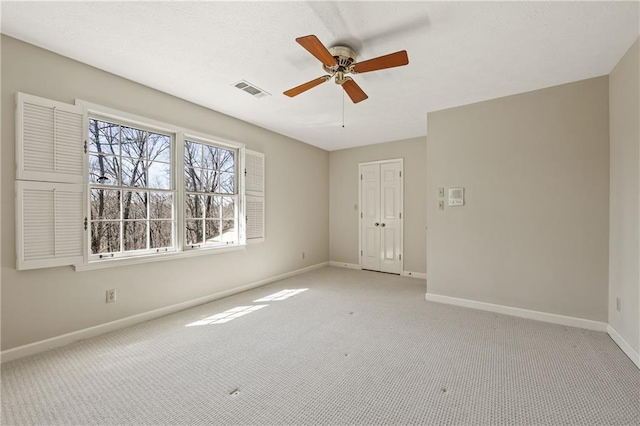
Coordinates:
x,y
86,223
245,172
400,174
361,254
246,218
399,257
400,215
360,177
360,215
85,146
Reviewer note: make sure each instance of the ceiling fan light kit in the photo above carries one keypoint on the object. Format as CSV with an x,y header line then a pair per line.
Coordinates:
x,y
339,61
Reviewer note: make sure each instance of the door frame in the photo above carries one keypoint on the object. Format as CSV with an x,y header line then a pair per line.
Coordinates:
x,y
368,163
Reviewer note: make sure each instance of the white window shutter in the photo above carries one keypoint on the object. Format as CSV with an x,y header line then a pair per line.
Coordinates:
x,y
49,183
49,140
255,197
49,223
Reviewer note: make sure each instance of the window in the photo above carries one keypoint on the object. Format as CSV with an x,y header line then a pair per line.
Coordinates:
x,y
211,195
96,187
131,193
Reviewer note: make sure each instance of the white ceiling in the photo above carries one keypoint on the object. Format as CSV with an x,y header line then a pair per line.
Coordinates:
x,y
459,53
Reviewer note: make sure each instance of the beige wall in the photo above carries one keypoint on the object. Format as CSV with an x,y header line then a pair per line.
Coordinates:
x,y
534,231
624,239
44,303
343,172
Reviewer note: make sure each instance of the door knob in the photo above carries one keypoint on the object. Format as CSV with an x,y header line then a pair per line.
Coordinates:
x,y
376,224
383,225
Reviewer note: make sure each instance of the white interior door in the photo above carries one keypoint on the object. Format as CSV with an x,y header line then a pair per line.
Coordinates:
x,y
390,188
381,216
370,217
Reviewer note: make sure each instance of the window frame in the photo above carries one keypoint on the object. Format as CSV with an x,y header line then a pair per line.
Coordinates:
x,y
123,189
179,136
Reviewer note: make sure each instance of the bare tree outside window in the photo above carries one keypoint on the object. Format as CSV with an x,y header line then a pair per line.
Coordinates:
x,y
131,192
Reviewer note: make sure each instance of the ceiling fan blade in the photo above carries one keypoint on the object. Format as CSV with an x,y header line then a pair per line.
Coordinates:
x,y
306,86
354,91
317,49
391,60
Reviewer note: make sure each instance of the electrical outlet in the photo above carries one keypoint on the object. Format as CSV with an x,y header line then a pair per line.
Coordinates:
x,y
303,255
618,305
440,204
440,192
111,295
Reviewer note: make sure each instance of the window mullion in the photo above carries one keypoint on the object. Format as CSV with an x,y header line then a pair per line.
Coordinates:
x,y
121,222
148,220
179,221
120,183
203,219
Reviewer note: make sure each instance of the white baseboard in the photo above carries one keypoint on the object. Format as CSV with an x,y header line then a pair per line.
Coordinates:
x,y
65,339
519,312
421,275
344,265
624,345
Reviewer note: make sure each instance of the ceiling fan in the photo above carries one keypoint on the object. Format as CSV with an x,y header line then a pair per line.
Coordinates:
x,y
339,61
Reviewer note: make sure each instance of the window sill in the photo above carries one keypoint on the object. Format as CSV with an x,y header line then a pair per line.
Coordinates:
x,y
111,263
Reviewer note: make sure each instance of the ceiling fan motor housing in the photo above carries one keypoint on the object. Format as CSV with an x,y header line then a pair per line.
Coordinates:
x,y
344,56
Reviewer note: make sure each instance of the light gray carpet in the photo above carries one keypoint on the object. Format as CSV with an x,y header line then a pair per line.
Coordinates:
x,y
356,348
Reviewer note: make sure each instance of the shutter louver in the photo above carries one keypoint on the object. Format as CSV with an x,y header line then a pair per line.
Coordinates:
x,y
38,241
255,217
49,224
254,164
68,223
37,139
49,183
255,201
69,132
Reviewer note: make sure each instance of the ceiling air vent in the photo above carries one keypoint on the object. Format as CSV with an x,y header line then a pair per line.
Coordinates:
x,y
251,89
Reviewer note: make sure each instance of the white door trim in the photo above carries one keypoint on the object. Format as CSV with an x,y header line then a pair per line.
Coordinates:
x,y
366,163
392,160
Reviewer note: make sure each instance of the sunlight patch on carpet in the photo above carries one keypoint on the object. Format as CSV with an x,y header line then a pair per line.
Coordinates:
x,y
228,315
281,295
